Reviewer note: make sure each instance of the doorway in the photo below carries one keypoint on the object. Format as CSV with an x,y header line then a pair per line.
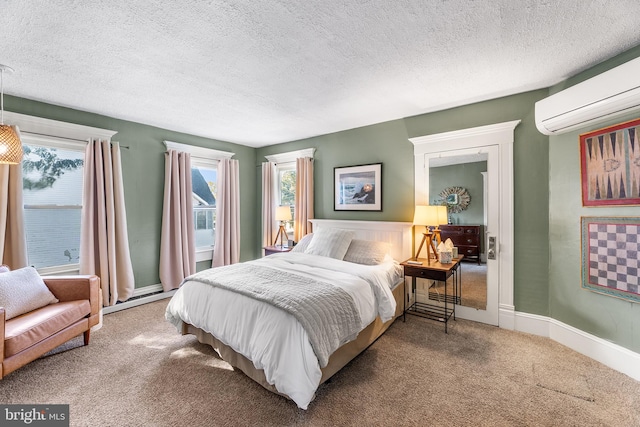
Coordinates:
x,y
470,149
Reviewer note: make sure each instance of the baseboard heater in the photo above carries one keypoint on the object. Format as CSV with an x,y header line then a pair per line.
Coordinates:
x,y
141,296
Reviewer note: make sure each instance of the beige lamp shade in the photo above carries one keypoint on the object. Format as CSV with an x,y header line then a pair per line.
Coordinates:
x,y
283,213
10,146
442,215
430,215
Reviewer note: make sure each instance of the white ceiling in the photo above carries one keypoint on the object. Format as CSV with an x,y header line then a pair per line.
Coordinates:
x,y
264,72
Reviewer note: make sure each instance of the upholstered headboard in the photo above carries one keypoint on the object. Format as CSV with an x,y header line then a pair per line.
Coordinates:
x,y
397,233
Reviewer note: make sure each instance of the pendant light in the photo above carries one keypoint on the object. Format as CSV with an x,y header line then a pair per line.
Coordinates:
x,y
10,145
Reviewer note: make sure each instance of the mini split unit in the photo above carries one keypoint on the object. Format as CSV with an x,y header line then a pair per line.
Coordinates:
x,y
605,96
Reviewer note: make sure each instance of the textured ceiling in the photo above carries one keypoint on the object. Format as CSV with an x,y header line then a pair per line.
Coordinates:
x,y
265,72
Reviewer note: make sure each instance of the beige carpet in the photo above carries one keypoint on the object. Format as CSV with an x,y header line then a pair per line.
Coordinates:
x,y
138,371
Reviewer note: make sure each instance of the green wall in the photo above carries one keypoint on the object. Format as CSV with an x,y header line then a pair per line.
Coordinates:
x,y
388,143
467,176
609,318
143,176
385,143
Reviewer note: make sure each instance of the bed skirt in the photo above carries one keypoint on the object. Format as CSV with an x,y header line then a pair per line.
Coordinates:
x,y
337,361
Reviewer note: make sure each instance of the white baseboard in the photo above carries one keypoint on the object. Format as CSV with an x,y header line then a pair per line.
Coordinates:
x,y
506,316
147,290
612,355
150,290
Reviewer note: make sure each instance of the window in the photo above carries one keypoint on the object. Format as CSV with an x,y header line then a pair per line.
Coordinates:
x,y
53,186
286,171
287,190
204,180
52,192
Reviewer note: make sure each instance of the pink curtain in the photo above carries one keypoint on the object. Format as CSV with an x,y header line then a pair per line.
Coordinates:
x,y
226,248
104,242
268,203
304,198
13,240
177,241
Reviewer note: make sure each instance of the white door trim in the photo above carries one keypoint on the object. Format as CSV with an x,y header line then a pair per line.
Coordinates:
x,y
490,314
501,134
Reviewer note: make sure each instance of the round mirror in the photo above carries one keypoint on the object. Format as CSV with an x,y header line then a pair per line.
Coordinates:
x,y
455,198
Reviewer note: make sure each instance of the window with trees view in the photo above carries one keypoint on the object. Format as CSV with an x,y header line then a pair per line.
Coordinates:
x,y
287,189
52,193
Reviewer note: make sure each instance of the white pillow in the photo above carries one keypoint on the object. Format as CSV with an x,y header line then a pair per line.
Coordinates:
x,y
22,291
367,252
303,244
330,242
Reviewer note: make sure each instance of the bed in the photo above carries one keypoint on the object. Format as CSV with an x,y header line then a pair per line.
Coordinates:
x,y
291,320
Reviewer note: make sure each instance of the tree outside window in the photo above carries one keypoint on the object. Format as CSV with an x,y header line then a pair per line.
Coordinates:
x,y
52,193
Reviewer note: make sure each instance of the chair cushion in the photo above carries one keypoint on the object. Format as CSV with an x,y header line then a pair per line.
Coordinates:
x,y
23,290
28,329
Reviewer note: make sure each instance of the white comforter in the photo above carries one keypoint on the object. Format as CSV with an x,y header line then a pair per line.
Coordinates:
x,y
273,339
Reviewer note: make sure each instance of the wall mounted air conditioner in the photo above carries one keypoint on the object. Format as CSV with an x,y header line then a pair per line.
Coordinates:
x,y
605,96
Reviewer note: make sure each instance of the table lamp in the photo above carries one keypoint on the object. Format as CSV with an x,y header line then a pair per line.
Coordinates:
x,y
429,216
442,219
283,214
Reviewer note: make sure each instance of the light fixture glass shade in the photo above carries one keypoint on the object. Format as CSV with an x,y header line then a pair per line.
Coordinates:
x,y
10,146
283,213
430,215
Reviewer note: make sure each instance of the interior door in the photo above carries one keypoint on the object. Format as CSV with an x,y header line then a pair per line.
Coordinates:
x,y
464,166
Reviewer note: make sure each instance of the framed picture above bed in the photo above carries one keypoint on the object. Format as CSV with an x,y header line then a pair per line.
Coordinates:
x,y
358,188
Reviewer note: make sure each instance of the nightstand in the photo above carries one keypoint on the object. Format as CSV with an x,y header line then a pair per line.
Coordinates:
x,y
276,249
438,272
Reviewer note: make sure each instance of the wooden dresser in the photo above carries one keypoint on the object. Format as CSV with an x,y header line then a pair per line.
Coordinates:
x,y
465,237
